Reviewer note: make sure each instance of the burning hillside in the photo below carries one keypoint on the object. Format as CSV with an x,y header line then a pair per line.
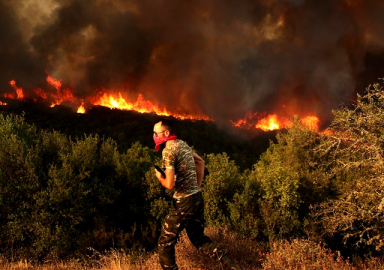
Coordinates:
x,y
254,64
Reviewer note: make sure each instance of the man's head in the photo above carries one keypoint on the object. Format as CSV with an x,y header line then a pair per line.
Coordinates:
x,y
163,128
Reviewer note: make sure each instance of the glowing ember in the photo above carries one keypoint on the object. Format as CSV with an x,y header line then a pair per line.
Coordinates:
x,y
3,103
19,90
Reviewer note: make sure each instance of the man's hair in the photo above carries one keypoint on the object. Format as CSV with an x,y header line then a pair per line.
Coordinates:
x,y
167,124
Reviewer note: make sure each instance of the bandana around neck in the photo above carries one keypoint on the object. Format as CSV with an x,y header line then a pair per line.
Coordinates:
x,y
160,140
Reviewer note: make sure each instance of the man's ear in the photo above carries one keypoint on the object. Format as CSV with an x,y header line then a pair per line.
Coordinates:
x,y
167,133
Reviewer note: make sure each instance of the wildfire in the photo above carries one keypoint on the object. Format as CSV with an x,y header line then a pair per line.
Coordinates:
x,y
63,94
54,82
312,122
106,99
19,90
269,123
273,122
81,109
140,105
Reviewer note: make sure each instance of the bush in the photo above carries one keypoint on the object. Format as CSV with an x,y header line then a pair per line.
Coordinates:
x,y
303,254
353,157
219,187
276,194
60,196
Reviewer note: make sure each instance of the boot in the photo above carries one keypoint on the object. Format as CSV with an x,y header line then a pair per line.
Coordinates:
x,y
227,264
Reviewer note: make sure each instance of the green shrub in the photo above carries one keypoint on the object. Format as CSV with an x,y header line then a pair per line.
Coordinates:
x,y
60,196
245,213
276,194
219,187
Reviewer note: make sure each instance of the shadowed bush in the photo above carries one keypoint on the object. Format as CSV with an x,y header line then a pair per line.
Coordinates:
x,y
60,196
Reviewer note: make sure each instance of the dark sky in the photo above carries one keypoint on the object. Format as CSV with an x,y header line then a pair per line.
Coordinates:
x,y
217,57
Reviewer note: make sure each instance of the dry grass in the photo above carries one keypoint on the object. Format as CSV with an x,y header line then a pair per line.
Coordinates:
x,y
242,251
308,255
298,254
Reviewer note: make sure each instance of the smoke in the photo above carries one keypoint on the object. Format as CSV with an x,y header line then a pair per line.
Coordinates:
x,y
218,57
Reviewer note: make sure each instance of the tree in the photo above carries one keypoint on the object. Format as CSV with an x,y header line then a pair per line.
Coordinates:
x,y
352,154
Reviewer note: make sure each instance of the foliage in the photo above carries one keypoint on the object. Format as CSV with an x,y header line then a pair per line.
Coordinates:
x,y
219,187
277,192
303,254
128,127
353,156
60,196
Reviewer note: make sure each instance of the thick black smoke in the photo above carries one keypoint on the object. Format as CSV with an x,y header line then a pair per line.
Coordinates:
x,y
216,57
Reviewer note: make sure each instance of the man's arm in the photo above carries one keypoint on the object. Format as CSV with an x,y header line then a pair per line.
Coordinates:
x,y
169,180
200,164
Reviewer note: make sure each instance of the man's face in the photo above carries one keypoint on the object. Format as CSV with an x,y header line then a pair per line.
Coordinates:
x,y
160,131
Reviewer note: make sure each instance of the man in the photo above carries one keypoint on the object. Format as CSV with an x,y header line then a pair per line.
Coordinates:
x,y
184,172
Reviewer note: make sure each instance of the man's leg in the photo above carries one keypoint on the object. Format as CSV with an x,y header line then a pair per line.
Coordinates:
x,y
195,231
168,239
183,211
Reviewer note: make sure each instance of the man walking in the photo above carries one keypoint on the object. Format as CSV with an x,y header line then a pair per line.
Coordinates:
x,y
184,172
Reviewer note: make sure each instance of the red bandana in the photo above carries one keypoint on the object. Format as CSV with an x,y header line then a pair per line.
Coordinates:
x,y
160,140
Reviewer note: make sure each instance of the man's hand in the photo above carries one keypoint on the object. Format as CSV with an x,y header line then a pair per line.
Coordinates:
x,y
169,180
159,175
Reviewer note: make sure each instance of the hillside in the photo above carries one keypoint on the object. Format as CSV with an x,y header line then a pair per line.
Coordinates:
x,y
127,127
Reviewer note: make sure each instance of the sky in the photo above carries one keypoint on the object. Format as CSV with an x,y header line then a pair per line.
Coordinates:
x,y
218,58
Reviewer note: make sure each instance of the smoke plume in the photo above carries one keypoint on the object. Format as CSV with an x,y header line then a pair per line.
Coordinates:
x,y
219,58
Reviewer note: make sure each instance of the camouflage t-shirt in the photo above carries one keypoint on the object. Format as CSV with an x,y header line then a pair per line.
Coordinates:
x,y
177,155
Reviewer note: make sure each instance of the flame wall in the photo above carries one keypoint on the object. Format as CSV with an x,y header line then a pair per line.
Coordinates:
x,y
218,58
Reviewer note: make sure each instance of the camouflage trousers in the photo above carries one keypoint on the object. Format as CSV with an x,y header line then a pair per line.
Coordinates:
x,y
186,213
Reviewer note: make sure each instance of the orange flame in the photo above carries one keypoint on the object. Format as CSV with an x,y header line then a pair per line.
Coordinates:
x,y
312,122
81,109
40,92
269,123
54,82
273,122
3,103
103,99
61,94
252,120
19,90
140,105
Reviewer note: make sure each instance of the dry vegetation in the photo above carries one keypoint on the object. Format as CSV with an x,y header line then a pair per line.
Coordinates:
x,y
298,254
244,252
